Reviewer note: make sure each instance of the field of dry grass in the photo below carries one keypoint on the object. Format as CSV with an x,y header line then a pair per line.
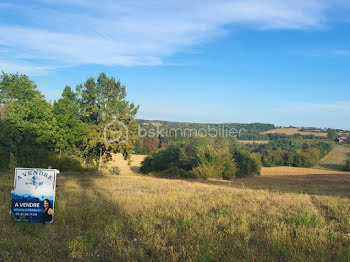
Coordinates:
x,y
261,142
293,131
127,167
336,158
286,214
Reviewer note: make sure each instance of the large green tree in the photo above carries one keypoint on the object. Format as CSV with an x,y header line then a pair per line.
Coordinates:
x,y
332,134
110,117
27,121
26,110
72,131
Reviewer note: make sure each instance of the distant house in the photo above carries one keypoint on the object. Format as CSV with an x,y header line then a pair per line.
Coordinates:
x,y
342,139
156,124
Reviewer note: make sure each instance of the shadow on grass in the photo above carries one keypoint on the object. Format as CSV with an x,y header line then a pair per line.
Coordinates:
x,y
337,184
135,169
337,167
330,185
95,226
101,229
88,226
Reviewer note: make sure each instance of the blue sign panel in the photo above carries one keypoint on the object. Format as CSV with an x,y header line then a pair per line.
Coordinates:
x,y
33,197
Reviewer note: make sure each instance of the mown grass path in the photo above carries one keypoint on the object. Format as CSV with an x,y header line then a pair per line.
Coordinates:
x,y
336,158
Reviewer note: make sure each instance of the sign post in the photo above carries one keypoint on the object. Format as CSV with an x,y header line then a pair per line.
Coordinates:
x,y
34,192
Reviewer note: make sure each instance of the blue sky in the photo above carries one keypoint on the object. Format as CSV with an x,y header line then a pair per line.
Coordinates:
x,y
282,62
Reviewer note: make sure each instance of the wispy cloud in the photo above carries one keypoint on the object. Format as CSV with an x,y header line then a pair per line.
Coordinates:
x,y
131,33
341,107
28,69
325,52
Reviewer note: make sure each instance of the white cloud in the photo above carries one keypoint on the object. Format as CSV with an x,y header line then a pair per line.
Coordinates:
x,y
28,69
132,33
341,107
324,52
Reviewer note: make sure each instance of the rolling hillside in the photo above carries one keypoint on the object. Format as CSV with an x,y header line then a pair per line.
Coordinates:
x,y
336,158
293,131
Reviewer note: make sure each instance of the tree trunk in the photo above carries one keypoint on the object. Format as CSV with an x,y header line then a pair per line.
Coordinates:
x,y
100,162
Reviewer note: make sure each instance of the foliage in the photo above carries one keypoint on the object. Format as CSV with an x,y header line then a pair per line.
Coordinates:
x,y
332,134
202,158
178,131
247,163
39,134
72,131
28,127
103,105
298,152
347,165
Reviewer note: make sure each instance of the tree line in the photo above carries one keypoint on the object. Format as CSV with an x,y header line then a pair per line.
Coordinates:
x,y
68,132
201,157
292,151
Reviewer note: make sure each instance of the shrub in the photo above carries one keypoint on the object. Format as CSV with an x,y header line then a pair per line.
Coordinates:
x,y
165,158
347,165
206,171
229,169
248,164
146,165
201,158
65,163
302,155
4,157
173,172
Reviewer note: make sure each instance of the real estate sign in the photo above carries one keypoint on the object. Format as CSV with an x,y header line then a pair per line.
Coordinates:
x,y
33,186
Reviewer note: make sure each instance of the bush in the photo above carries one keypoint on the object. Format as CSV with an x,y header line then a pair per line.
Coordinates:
x,y
182,154
146,165
248,164
347,165
165,158
173,172
304,156
201,158
66,163
4,157
206,171
229,169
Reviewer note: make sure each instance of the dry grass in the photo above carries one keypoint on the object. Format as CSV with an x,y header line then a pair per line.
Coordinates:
x,y
336,159
260,142
127,167
284,215
293,131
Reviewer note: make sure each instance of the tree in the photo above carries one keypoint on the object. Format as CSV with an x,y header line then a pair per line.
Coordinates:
x,y
28,126
332,134
247,163
72,131
103,107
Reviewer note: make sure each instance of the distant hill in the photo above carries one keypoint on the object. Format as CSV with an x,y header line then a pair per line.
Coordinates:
x,y
251,127
321,132
296,130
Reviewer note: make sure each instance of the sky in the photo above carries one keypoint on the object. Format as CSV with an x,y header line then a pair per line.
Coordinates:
x,y
283,62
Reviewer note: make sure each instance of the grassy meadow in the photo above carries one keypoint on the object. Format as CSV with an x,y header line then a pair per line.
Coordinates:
x,y
336,158
286,214
293,131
